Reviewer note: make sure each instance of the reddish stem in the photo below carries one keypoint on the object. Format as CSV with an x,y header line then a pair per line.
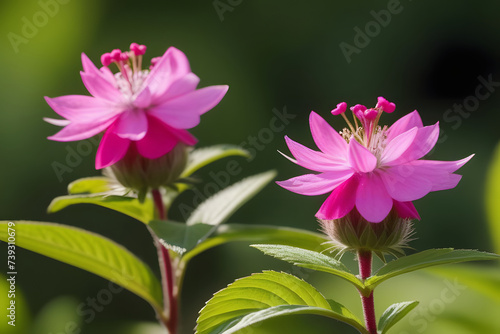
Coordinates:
x,y
167,271
365,271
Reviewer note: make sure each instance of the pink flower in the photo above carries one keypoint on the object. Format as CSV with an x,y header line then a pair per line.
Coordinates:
x,y
150,109
371,168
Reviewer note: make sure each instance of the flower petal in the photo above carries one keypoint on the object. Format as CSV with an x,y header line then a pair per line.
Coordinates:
x,y
57,122
360,158
315,184
314,160
183,135
326,138
172,66
158,140
406,210
184,85
372,200
183,112
81,108
143,99
404,124
424,141
99,87
78,131
341,201
396,147
132,124
407,182
111,149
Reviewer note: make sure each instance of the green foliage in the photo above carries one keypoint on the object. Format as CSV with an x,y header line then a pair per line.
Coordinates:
x,y
203,156
223,204
90,252
263,296
393,314
311,260
180,237
258,233
89,185
129,206
425,259
493,198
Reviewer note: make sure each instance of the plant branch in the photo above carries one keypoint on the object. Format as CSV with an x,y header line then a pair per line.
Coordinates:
x,y
365,271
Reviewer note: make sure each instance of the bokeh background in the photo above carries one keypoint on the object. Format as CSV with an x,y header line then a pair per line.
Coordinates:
x,y
281,55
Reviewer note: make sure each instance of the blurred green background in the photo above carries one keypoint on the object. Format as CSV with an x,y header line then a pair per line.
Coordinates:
x,y
273,55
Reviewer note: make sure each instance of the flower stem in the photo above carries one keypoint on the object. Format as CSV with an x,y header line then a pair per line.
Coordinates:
x,y
365,271
167,272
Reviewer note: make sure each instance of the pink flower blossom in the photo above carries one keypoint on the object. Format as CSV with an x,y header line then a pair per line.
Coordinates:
x,y
371,168
150,109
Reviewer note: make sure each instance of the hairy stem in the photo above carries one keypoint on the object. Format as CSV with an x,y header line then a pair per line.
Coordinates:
x,y
365,271
170,319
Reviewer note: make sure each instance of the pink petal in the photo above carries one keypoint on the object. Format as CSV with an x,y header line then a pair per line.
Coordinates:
x,y
360,158
181,134
111,149
184,85
424,141
143,99
439,173
315,184
172,66
406,210
183,112
448,166
158,140
372,200
340,202
57,122
326,138
313,160
90,69
81,108
78,131
407,183
396,147
404,124
101,88
132,124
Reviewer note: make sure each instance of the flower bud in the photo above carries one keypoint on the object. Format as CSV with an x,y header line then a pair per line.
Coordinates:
x,y
354,233
142,174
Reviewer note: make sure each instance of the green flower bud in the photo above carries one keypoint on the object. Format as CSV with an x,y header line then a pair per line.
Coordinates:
x,y
354,233
140,174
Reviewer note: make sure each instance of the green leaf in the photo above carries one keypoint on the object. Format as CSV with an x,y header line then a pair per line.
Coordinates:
x,y
180,237
263,296
259,234
427,258
492,196
311,260
90,252
129,206
203,156
394,313
223,204
55,316
89,185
